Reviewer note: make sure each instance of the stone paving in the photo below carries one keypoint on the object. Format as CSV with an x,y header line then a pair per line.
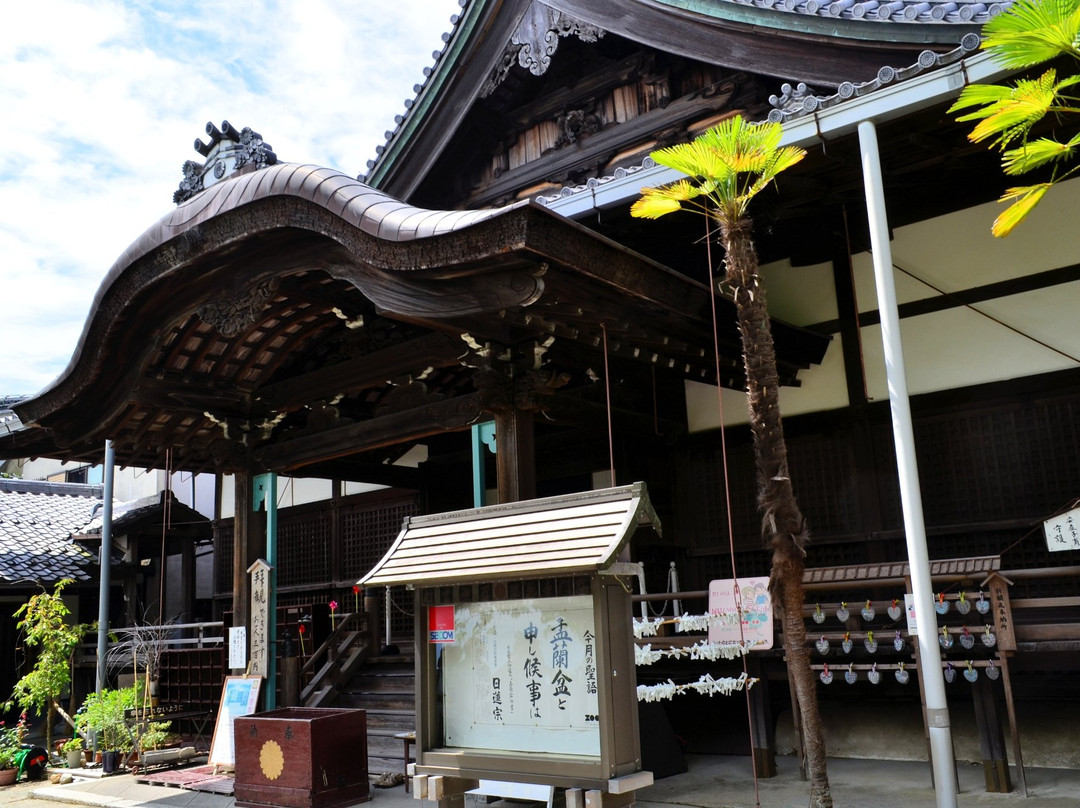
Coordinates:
x,y
711,782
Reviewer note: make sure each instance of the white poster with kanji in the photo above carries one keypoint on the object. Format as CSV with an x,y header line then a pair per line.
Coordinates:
x,y
1063,532
521,675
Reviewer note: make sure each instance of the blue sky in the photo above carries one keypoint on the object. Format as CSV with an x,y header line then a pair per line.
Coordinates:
x,y
102,101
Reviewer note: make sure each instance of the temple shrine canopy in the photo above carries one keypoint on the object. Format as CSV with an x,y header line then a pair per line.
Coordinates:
x,y
289,317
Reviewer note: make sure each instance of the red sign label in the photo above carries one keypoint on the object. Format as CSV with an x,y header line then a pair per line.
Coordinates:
x,y
441,623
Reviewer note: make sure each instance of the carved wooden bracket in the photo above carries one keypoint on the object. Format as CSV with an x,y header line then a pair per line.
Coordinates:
x,y
231,317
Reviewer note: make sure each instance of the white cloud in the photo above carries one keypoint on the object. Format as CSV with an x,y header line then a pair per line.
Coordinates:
x,y
103,100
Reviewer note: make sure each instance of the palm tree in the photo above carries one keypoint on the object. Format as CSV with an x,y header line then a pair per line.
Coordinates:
x,y
726,168
1030,33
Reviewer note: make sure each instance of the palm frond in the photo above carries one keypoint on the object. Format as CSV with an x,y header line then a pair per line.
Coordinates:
x,y
1037,153
1008,113
730,163
1034,31
665,199
783,159
1025,199
977,95
695,159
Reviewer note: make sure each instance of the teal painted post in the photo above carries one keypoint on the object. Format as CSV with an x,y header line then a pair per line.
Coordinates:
x,y
265,492
481,434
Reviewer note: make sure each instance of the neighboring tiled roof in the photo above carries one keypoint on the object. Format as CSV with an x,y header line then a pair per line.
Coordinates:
x,y
36,523
798,102
126,516
123,512
9,421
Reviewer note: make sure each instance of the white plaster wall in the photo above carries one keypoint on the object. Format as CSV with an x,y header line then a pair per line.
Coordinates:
x,y
128,483
959,347
1007,338
823,388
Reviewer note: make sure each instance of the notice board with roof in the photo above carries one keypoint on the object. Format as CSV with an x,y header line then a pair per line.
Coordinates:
x,y
525,659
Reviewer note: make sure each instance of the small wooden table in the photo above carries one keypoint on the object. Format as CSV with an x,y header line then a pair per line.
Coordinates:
x,y
409,738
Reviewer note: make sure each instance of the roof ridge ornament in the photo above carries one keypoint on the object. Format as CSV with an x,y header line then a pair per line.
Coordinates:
x,y
245,147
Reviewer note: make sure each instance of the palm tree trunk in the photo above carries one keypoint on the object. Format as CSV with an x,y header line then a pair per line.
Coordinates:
x,y
783,527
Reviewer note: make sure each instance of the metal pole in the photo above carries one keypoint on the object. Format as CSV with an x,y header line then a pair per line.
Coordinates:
x,y
937,710
387,617
103,562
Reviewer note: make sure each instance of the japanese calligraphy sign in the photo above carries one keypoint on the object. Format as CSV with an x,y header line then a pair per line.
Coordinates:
x,y
1001,611
757,625
259,638
1063,532
521,675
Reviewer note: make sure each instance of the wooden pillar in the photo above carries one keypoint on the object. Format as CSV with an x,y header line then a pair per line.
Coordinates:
x,y
515,455
991,736
248,543
1014,730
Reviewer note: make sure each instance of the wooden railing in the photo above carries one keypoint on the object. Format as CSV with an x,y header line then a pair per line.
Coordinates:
x,y
334,662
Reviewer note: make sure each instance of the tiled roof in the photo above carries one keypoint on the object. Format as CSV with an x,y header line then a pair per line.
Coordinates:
x,y
960,12
36,523
799,101
861,12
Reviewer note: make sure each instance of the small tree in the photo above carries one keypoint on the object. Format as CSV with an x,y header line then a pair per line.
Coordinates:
x,y
1030,33
44,627
726,168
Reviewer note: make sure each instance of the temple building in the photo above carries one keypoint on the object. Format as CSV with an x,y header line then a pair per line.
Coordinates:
x,y
358,330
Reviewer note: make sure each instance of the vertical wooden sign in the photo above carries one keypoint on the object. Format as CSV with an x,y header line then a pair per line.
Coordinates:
x,y
259,638
1001,611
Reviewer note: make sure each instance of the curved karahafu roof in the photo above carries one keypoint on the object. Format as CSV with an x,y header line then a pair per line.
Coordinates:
x,y
565,535
291,315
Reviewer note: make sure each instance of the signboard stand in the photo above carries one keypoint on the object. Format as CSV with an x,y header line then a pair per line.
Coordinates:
x,y
239,697
525,666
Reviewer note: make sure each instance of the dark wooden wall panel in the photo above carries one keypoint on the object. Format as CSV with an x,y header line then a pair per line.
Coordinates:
x,y
990,472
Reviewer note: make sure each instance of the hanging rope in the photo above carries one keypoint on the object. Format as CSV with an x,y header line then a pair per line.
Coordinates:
x,y
607,395
727,500
165,515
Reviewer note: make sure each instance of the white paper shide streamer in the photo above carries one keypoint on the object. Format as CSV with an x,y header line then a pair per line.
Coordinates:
x,y
712,651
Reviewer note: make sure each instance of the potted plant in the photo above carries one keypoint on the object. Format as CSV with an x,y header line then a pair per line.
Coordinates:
x,y
72,749
104,715
155,736
11,747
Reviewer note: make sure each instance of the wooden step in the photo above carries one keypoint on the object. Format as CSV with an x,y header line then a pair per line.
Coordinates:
x,y
368,680
398,720
384,744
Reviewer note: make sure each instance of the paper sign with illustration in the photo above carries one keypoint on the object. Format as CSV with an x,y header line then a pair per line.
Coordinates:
x,y
757,627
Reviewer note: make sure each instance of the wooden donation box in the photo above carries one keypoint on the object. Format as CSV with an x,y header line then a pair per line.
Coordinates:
x,y
524,636
300,757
